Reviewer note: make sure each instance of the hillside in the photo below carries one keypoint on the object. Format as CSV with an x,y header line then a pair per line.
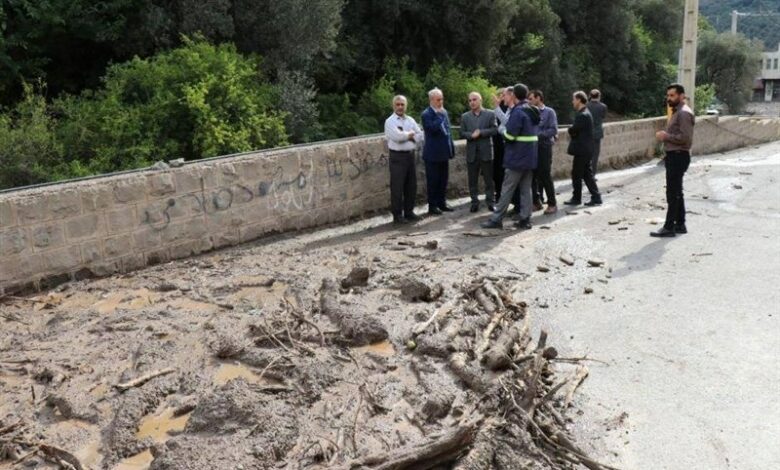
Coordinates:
x,y
766,29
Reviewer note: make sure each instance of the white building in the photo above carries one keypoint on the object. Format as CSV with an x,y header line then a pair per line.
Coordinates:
x,y
767,85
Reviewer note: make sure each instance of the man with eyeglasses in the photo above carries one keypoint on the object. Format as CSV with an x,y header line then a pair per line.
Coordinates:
x,y
478,126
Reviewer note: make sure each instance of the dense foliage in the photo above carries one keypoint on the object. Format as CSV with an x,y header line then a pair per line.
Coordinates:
x,y
763,24
95,86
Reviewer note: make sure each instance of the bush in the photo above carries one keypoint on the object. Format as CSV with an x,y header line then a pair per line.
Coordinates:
x,y
456,83
297,99
703,98
193,102
375,104
338,118
29,151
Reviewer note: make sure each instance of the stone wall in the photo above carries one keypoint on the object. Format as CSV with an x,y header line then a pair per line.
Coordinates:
x,y
123,222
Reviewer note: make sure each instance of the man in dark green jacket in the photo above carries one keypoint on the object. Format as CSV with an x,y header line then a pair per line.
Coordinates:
x,y
478,126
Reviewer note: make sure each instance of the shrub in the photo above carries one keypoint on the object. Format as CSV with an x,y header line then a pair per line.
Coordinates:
x,y
193,102
29,151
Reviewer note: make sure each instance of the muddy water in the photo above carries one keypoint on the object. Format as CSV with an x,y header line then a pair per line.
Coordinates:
x,y
382,348
89,455
156,427
136,462
261,296
132,300
230,371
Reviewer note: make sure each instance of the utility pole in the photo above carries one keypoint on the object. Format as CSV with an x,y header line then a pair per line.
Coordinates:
x,y
690,41
734,17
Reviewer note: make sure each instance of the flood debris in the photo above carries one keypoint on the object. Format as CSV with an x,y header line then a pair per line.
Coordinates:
x,y
358,277
383,368
566,259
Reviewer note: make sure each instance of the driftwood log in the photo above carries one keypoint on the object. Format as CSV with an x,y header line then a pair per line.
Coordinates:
x,y
357,328
437,451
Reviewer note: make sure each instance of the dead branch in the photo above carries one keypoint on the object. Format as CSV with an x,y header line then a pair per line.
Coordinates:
x,y
578,377
499,355
435,452
144,378
471,375
61,457
497,317
440,312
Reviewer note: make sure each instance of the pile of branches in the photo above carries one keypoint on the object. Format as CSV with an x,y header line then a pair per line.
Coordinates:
x,y
18,445
518,420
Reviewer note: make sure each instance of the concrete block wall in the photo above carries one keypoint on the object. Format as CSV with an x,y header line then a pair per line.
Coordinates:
x,y
119,223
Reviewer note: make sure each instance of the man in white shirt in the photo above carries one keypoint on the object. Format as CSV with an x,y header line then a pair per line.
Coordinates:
x,y
403,138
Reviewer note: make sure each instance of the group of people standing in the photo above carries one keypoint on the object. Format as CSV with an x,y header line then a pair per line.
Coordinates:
x,y
511,146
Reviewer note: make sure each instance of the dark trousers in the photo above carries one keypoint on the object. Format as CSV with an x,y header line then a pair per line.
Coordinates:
x,y
596,153
676,164
581,170
403,183
436,175
543,176
498,165
474,169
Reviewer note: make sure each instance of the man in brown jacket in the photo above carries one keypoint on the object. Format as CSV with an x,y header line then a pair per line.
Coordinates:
x,y
677,138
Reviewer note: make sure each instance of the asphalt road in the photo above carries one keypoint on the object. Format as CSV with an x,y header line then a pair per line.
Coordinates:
x,y
689,326
686,330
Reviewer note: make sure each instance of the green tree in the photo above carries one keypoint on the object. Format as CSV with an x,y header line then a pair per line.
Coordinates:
x,y
532,52
290,33
192,102
466,32
731,64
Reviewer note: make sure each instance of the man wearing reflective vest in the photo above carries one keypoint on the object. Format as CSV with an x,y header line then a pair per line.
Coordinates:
x,y
520,159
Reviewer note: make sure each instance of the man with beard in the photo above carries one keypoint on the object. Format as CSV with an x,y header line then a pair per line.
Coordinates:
x,y
677,139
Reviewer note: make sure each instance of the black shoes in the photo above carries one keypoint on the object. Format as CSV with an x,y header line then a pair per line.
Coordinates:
x,y
491,224
572,202
435,211
412,217
446,208
679,229
523,224
474,207
595,201
663,232
491,208
398,220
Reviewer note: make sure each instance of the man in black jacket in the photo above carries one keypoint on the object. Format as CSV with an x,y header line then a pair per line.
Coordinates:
x,y
598,111
581,148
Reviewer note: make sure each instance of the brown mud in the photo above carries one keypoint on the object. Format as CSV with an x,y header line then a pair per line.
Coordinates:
x,y
330,354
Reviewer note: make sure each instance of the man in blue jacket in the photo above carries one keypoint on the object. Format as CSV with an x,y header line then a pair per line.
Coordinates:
x,y
520,158
437,152
548,133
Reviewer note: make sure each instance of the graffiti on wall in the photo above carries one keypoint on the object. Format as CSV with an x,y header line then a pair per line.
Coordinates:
x,y
281,192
